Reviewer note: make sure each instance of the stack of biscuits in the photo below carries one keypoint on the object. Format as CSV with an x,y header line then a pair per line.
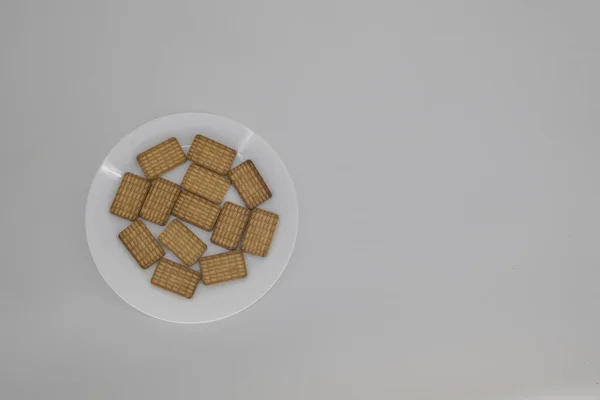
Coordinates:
x,y
196,201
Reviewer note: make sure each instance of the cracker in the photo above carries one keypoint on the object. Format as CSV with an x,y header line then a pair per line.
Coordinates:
x,y
130,196
161,158
205,183
250,184
259,232
182,242
230,226
223,267
210,154
160,201
176,278
141,244
196,210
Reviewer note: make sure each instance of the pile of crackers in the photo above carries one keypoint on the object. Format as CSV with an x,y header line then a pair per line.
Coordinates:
x,y
197,201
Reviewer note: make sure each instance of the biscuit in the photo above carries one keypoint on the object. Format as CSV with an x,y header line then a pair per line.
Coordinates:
x,y
210,154
141,244
205,183
182,242
196,210
259,232
160,201
161,158
130,196
223,267
250,185
230,226
176,278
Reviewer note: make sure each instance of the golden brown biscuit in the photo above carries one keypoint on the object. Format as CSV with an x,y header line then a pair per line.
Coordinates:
x,y
176,278
161,158
210,154
182,242
230,226
223,267
130,196
250,185
259,232
196,211
141,244
205,183
160,201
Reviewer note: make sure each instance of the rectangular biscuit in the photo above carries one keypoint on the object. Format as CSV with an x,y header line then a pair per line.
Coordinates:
x,y
210,154
130,196
160,201
205,183
196,210
230,226
259,232
250,185
161,158
176,278
223,267
141,244
182,242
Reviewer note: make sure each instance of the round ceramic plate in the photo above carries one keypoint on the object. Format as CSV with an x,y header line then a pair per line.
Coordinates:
x,y
132,283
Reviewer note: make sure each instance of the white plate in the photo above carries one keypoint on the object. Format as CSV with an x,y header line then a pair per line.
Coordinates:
x,y
129,281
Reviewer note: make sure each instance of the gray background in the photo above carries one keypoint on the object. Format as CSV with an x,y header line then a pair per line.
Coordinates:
x,y
445,156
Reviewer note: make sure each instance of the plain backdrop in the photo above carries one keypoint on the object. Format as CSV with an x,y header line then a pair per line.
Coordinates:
x,y
445,156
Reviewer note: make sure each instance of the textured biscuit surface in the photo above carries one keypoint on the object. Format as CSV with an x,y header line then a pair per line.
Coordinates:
x,y
176,278
205,183
160,201
182,242
259,232
141,244
250,184
230,226
161,158
223,267
211,154
196,210
130,196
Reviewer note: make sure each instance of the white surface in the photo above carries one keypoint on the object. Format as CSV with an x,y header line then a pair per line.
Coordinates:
x,y
132,283
445,157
